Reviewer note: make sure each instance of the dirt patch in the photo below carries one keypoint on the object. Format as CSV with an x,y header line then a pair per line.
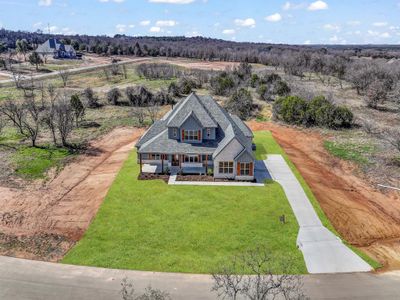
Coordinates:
x,y
365,217
201,65
44,221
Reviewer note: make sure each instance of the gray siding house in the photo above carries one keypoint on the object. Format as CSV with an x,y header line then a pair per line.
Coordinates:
x,y
55,48
198,136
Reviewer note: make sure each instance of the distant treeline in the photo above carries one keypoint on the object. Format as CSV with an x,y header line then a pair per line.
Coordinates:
x,y
194,47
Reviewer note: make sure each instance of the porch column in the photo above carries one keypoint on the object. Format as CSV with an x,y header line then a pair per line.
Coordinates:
x,y
207,164
162,163
140,159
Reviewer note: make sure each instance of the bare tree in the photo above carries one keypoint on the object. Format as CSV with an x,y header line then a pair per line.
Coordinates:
x,y
262,284
15,112
51,91
125,71
128,292
153,110
64,75
32,121
392,135
17,77
139,113
64,118
49,119
376,94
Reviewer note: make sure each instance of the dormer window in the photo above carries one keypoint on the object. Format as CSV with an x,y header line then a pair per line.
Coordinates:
x,y
208,132
175,133
191,135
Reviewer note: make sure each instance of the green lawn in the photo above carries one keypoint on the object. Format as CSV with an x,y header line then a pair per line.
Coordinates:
x,y
33,163
350,151
148,225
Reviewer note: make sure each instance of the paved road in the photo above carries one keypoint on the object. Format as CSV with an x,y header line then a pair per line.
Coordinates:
x,y
75,70
323,251
25,279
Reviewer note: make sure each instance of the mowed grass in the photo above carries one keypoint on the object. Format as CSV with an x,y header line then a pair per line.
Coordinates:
x,y
148,225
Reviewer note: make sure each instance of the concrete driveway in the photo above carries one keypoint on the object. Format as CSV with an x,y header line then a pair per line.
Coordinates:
x,y
323,251
24,279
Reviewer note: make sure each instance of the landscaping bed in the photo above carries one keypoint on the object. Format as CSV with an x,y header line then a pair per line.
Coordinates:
x,y
148,176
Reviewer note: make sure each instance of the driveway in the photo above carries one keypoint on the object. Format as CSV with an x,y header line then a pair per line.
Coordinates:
x,y
24,279
323,251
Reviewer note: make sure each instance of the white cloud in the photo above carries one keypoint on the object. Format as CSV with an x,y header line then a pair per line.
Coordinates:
x,y
144,23
378,34
45,2
172,1
120,27
155,29
37,25
229,31
318,5
308,42
274,18
336,40
166,23
250,22
332,27
289,5
379,24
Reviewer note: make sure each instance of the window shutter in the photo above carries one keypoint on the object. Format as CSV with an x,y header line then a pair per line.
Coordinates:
x,y
183,134
251,169
238,169
199,135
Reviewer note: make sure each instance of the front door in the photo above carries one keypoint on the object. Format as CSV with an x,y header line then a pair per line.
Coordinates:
x,y
175,160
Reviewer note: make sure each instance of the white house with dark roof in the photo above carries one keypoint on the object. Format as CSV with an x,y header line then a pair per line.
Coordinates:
x,y
196,136
55,48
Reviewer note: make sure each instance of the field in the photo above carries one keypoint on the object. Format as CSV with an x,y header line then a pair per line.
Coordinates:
x,y
148,225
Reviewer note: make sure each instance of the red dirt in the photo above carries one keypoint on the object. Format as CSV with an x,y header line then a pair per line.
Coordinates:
x,y
43,222
365,217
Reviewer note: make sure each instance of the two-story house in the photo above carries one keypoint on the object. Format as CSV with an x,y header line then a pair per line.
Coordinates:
x,y
198,136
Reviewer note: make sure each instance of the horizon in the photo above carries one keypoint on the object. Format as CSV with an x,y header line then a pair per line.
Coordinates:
x,y
279,22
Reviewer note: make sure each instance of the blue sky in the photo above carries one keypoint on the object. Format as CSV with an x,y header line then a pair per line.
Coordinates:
x,y
294,22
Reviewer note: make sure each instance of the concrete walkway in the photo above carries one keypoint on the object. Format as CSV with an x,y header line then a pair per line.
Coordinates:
x,y
323,251
24,279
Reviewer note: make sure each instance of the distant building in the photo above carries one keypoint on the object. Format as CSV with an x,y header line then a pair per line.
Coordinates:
x,y
56,49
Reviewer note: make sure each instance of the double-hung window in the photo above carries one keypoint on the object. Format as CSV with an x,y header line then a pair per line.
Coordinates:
x,y
191,135
245,169
226,167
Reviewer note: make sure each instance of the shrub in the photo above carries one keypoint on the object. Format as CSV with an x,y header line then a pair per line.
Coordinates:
x,y
293,110
222,84
241,104
186,85
281,88
92,99
78,108
317,112
254,80
113,96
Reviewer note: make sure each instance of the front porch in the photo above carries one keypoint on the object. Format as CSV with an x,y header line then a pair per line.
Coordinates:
x,y
196,164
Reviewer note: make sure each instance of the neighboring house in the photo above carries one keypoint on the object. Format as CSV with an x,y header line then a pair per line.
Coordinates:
x,y
56,49
196,136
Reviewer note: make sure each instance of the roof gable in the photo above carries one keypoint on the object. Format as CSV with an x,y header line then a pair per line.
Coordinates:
x,y
190,105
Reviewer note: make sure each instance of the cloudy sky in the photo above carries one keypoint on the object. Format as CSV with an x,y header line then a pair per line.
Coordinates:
x,y
294,22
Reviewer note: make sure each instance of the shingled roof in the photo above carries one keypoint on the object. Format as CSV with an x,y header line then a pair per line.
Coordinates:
x,y
209,114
